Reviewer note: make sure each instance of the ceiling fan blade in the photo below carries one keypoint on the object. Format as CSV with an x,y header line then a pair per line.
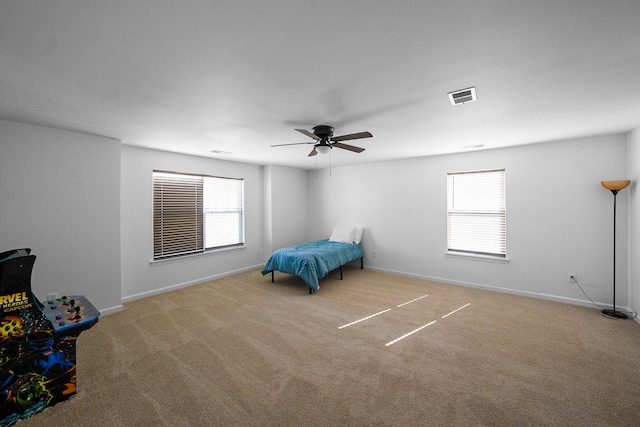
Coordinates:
x,y
352,136
309,134
293,143
348,147
313,152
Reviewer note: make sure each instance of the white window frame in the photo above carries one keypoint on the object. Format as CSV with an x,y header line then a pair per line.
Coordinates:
x,y
195,214
476,213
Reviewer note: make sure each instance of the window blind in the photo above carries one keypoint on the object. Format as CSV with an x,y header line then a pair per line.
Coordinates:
x,y
224,212
177,214
476,212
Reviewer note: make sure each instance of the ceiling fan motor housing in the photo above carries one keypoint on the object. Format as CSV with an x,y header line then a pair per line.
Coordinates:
x,y
323,132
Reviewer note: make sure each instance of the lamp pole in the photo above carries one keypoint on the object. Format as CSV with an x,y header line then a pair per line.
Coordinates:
x,y
613,312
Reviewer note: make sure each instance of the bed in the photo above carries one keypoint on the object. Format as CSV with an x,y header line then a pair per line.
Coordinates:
x,y
312,261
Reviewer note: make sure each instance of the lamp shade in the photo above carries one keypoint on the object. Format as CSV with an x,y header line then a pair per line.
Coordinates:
x,y
616,185
323,149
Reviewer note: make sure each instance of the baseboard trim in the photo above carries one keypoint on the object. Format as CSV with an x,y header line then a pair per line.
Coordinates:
x,y
556,298
111,310
186,284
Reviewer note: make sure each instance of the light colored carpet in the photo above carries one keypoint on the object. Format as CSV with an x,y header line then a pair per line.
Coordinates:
x,y
242,351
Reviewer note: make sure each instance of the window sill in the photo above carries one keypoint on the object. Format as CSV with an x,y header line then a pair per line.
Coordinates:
x,y
476,257
203,254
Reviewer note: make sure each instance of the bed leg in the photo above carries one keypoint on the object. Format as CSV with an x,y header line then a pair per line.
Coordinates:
x,y
361,263
340,272
310,290
272,277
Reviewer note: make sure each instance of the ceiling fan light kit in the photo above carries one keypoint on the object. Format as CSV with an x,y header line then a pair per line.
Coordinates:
x,y
323,149
324,140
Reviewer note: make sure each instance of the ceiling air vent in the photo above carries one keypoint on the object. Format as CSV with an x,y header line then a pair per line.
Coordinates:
x,y
462,96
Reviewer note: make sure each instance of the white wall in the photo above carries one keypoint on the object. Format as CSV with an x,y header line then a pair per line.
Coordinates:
x,y
286,207
267,218
60,196
141,278
559,218
633,156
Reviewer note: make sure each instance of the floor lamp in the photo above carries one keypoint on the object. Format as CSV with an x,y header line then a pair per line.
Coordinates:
x,y
614,187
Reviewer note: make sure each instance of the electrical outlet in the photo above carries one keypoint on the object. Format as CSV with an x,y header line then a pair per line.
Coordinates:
x,y
258,252
375,254
572,278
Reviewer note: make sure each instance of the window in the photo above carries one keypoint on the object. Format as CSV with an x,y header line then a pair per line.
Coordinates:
x,y
476,212
194,213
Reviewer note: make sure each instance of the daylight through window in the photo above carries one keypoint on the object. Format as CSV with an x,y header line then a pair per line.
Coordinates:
x,y
476,212
195,213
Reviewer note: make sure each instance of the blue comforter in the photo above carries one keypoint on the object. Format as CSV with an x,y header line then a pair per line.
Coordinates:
x,y
313,260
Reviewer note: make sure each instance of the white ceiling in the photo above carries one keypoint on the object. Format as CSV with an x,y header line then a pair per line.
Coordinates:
x,y
238,76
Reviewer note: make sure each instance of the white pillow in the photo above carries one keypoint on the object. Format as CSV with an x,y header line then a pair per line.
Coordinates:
x,y
358,236
343,233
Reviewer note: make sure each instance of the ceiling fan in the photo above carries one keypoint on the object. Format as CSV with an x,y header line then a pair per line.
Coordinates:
x,y
324,140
